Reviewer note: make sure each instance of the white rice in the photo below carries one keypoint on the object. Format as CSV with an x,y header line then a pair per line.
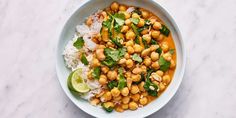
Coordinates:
x,y
71,54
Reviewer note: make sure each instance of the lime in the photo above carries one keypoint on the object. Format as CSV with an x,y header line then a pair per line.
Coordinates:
x,y
76,82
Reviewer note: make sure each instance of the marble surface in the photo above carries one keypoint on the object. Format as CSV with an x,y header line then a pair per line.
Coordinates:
x,y
28,83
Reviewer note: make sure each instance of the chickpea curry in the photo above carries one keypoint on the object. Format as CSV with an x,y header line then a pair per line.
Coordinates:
x,y
133,62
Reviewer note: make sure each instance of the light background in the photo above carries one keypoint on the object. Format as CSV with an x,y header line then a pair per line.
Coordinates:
x,y
29,32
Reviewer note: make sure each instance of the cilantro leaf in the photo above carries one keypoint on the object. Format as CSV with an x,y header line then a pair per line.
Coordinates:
x,y
135,29
96,72
79,43
84,59
109,62
150,87
159,51
107,109
112,56
112,84
116,41
145,43
137,58
122,81
164,65
172,51
134,20
153,42
164,30
119,18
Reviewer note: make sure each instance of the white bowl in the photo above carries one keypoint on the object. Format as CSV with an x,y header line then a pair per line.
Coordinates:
x,y
79,16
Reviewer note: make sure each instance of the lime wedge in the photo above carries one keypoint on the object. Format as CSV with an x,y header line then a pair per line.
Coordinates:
x,y
76,82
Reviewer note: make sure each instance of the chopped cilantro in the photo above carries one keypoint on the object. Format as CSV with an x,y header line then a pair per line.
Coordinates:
x,y
79,43
112,84
137,58
84,59
164,30
134,20
96,72
164,65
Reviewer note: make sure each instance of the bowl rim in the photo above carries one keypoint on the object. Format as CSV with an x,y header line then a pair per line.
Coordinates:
x,y
183,49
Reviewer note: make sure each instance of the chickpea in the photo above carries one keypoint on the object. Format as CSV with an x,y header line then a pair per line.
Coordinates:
x,y
135,15
127,15
166,79
129,43
130,50
147,61
127,56
114,6
115,92
133,106
160,73
100,94
134,89
125,91
95,62
129,63
167,56
129,82
144,68
128,74
154,47
138,48
165,46
135,97
119,109
140,86
155,34
172,64
106,97
118,98
109,104
155,65
89,21
94,102
125,106
137,70
100,55
154,56
105,34
141,23
147,38
161,37
156,25
145,31
125,99
130,35
122,8
122,61
145,52
128,22
112,75
104,69
102,80
155,82
104,14
136,78
143,101
145,94
145,14
162,87
124,29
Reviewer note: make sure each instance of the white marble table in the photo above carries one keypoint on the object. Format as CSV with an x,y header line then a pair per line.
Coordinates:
x,y
28,81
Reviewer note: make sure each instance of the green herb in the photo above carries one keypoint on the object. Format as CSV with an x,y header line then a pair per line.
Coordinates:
x,y
84,59
135,29
109,62
136,40
96,72
147,22
112,84
164,65
117,27
108,24
134,20
112,56
164,30
119,18
107,109
150,87
159,51
122,82
79,43
172,51
153,42
117,41
137,58
145,43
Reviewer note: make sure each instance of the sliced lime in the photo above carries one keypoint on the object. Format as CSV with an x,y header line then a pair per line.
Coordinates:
x,y
76,82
